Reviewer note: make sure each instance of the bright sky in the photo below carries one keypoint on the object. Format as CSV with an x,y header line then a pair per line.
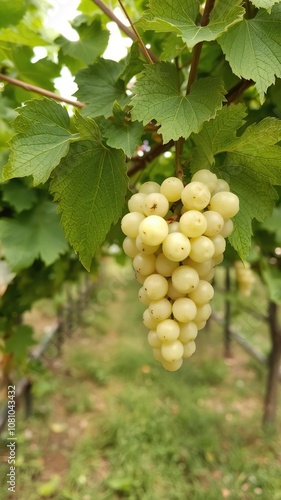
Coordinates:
x,y
59,17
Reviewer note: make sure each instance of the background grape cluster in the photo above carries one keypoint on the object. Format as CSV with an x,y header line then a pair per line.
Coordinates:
x,y
175,235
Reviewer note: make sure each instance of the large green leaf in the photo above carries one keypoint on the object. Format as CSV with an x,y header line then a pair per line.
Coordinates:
x,y
90,185
41,73
181,18
18,195
41,141
92,42
158,97
34,234
252,48
265,4
100,86
252,165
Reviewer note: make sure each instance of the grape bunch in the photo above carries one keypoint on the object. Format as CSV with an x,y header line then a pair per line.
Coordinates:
x,y
245,277
175,236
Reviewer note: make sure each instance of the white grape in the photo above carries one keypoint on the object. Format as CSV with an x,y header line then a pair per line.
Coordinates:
x,y
172,366
215,222
184,309
143,297
185,279
156,286
144,264
129,247
201,249
168,330
188,332
140,277
207,177
202,268
219,244
172,188
196,195
149,187
156,204
149,321
203,312
172,292
189,349
174,227
172,351
208,276
153,230
202,294
136,202
222,185
157,355
160,309
227,228
193,223
176,247
226,203
130,223
217,260
153,339
144,248
200,324
164,265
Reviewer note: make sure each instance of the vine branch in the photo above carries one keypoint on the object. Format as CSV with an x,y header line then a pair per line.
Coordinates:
x,y
139,163
139,39
238,90
39,90
131,34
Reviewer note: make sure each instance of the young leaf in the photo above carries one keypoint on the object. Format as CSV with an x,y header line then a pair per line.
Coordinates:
x,y
121,132
41,141
100,86
19,341
91,44
167,16
90,185
37,233
158,97
252,48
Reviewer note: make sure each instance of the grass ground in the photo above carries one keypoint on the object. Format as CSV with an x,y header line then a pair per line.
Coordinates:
x,y
109,423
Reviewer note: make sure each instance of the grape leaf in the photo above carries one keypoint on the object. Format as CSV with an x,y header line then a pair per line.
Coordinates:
x,y
174,16
90,185
18,195
41,141
265,4
22,34
11,12
158,97
100,86
91,44
40,73
34,234
121,132
19,341
252,165
252,48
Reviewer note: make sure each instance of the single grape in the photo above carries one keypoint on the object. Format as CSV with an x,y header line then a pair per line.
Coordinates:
x,y
189,349
157,355
184,309
153,230
185,279
215,222
160,309
172,188
144,264
226,203
207,177
168,330
201,249
130,223
129,247
193,223
203,312
143,297
202,294
227,228
140,277
202,268
172,351
219,244
172,292
143,248
156,204
164,265
136,202
196,195
172,366
188,332
153,339
149,187
200,324
217,260
176,247
149,321
222,185
155,286
174,227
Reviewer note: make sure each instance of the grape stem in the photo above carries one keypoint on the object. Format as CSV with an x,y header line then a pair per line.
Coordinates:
x,y
139,163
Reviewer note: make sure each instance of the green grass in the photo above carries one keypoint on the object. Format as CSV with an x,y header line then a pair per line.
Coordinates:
x,y
131,430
